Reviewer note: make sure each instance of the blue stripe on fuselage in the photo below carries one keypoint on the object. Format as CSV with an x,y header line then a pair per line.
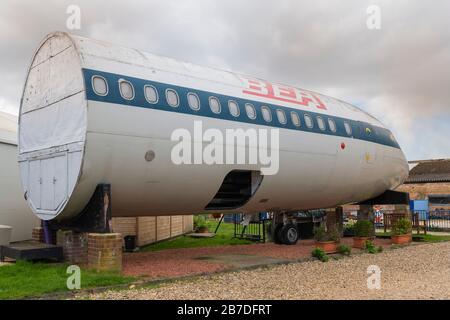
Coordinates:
x,y
377,134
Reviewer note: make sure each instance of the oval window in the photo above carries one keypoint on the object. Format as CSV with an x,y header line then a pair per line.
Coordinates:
x,y
332,124
214,104
151,95
99,85
348,128
250,109
321,123
309,121
126,89
234,108
295,119
172,98
267,115
281,116
194,101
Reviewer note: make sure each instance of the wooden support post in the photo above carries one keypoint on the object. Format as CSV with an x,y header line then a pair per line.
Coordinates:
x,y
365,212
340,219
331,219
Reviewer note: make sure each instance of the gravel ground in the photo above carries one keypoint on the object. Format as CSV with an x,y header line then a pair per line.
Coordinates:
x,y
413,272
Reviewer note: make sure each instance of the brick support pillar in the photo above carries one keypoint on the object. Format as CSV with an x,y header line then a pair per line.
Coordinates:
x,y
105,251
75,246
38,234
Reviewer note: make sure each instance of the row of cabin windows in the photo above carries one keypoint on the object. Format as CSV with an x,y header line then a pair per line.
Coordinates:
x,y
100,87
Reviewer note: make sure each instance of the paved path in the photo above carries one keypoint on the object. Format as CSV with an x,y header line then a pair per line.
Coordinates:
x,y
192,261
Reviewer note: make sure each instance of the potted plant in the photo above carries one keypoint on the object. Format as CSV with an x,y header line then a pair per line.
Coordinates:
x,y
402,231
200,225
327,240
349,228
363,230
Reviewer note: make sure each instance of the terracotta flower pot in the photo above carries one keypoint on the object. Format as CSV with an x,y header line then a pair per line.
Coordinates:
x,y
401,238
360,242
327,246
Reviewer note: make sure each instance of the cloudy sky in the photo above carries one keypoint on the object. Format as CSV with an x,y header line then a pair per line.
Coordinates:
x,y
400,73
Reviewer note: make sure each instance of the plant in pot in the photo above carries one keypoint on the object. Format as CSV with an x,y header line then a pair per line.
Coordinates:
x,y
327,240
401,231
349,228
200,225
363,230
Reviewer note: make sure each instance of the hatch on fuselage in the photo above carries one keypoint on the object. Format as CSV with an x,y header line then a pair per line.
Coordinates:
x,y
237,188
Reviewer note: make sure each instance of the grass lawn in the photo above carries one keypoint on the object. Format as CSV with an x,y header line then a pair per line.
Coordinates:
x,y
422,237
26,279
224,236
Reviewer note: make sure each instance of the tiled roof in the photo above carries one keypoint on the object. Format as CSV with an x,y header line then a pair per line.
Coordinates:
x,y
429,171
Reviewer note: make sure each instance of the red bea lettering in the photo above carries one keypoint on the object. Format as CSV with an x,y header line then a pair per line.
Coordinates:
x,y
282,93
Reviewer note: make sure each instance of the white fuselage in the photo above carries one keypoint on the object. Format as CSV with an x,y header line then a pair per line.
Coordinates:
x,y
87,139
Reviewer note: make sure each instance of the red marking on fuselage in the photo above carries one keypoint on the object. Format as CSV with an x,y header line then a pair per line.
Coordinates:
x,y
268,90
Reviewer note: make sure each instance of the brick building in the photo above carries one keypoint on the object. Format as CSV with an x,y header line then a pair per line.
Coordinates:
x,y
429,180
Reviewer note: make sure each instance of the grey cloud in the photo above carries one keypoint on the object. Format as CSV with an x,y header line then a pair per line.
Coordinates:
x,y
401,73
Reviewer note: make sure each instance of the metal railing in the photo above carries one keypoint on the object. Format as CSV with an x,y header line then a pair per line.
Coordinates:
x,y
255,230
437,220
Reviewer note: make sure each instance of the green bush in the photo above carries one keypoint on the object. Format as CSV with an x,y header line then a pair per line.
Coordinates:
x,y
200,222
370,247
349,228
363,228
321,234
402,226
320,254
344,249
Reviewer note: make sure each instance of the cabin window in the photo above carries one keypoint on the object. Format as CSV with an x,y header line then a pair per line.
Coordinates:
x,y
126,89
234,108
99,85
267,115
172,98
321,123
194,101
295,119
214,104
281,116
151,95
309,121
332,124
250,109
348,128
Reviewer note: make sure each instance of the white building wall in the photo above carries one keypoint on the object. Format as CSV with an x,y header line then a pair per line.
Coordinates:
x,y
14,210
